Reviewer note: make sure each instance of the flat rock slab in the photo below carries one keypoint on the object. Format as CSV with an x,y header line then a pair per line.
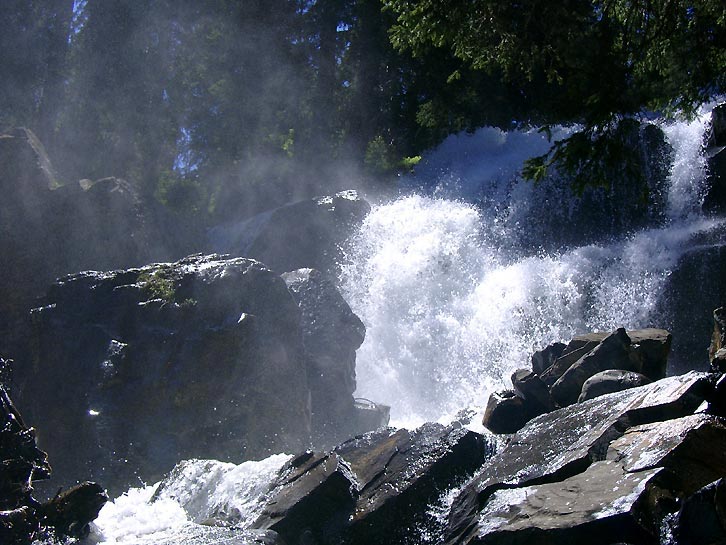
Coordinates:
x,y
565,442
597,506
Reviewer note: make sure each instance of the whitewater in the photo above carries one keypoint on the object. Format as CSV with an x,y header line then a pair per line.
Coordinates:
x,y
453,303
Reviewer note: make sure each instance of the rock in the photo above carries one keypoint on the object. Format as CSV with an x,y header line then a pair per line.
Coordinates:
x,y
651,348
23,462
370,415
71,511
718,338
718,362
702,518
692,449
505,412
575,349
563,443
602,505
683,304
612,353
304,234
542,359
534,391
612,380
715,198
331,335
202,358
372,489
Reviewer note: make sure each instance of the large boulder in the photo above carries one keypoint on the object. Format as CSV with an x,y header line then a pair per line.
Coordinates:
x,y
304,234
612,380
134,370
715,198
331,335
373,489
562,444
686,305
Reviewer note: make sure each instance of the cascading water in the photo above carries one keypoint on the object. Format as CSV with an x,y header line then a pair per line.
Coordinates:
x,y
453,304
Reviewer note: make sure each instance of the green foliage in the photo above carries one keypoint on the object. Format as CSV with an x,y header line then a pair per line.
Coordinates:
x,y
158,285
591,62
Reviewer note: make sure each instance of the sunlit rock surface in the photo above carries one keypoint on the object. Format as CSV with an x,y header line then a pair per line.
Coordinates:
x,y
373,489
304,234
558,449
135,370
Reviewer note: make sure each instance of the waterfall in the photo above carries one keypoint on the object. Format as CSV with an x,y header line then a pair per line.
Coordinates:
x,y
453,303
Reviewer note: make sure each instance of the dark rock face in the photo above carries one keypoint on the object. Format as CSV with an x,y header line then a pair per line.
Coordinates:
x,y
23,518
715,199
566,369
607,382
331,335
554,481
506,412
702,519
298,235
135,370
54,230
372,489
706,262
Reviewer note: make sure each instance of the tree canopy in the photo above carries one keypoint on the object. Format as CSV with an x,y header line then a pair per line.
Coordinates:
x,y
590,62
226,107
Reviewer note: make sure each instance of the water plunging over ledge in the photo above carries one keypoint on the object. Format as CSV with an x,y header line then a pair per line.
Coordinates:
x,y
453,303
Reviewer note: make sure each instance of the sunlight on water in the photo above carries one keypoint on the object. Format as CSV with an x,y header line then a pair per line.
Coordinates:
x,y
451,309
196,491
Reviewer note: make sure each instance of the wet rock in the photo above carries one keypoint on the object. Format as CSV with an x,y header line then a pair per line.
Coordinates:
x,y
303,234
702,518
575,349
505,412
599,506
563,443
543,359
718,338
612,380
718,362
534,391
612,353
372,489
684,302
370,415
72,510
201,358
331,335
715,198
651,348
692,449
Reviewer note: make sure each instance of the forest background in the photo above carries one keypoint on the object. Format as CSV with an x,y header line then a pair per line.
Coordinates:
x,y
218,109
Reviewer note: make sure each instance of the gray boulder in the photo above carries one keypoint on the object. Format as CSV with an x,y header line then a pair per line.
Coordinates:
x,y
564,443
331,335
506,412
373,489
134,370
612,380
612,353
304,234
715,198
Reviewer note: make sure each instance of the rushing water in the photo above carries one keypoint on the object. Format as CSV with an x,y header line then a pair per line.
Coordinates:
x,y
453,303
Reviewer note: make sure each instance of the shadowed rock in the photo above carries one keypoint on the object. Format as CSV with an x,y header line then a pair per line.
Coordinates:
x,y
304,234
135,370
